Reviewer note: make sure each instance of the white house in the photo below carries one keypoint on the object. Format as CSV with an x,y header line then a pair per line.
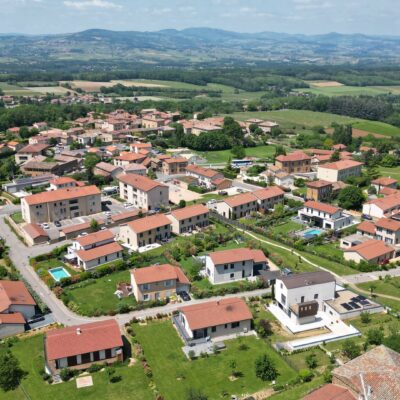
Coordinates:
x,y
301,296
234,265
324,215
382,207
371,251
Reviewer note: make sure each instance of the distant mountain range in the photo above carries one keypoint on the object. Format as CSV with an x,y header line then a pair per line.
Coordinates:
x,y
199,46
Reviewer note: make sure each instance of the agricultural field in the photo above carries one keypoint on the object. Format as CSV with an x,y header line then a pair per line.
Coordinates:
x,y
377,127
342,90
392,172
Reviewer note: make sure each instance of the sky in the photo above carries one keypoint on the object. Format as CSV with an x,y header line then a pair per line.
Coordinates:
x,y
291,16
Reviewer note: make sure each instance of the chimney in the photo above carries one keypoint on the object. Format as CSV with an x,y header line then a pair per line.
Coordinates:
x,y
78,331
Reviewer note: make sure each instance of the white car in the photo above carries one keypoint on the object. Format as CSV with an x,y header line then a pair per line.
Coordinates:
x,y
127,205
45,226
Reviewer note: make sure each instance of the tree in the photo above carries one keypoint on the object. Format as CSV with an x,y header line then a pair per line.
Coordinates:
x,y
10,372
351,197
375,336
238,151
328,143
350,349
233,130
365,317
232,366
305,375
90,161
389,161
393,341
280,151
182,203
372,287
265,368
311,361
94,225
335,156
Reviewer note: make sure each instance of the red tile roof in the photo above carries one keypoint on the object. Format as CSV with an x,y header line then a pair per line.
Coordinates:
x,y
384,181
371,249
145,224
34,231
268,193
130,157
125,215
318,184
15,318
34,148
158,273
189,212
367,227
62,194
316,205
79,227
62,180
386,203
175,160
330,392
14,292
320,152
215,313
388,191
237,255
389,224
380,367
95,237
87,338
295,156
342,164
142,183
97,252
239,199
207,172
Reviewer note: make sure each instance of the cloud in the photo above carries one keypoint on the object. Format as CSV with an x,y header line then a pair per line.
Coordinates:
x,y
311,4
85,4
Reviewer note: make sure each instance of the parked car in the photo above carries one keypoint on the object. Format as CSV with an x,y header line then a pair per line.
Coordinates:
x,y
57,224
127,205
365,216
45,225
36,318
239,190
184,296
223,193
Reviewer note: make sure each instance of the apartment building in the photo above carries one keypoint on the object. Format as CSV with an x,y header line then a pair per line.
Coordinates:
x,y
145,231
61,204
237,206
189,218
158,282
384,229
296,162
126,158
143,192
267,198
173,166
319,190
339,170
234,265
324,215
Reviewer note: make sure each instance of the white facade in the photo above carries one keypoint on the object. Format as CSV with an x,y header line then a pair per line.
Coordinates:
x,y
224,273
325,220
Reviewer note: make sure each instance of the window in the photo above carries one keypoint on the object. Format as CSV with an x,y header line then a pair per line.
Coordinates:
x,y
283,299
226,266
315,296
213,329
302,299
168,283
145,286
226,326
235,324
232,266
232,275
243,263
146,297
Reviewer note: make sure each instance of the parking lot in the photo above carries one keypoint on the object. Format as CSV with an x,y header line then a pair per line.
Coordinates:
x,y
178,193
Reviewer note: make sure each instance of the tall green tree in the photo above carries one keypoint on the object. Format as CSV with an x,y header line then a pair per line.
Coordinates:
x,y
11,373
265,368
351,198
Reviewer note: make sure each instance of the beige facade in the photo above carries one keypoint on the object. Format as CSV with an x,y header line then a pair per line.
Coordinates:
x,y
327,173
319,193
173,166
56,206
189,224
235,212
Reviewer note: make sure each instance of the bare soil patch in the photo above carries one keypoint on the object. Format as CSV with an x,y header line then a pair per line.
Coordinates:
x,y
325,83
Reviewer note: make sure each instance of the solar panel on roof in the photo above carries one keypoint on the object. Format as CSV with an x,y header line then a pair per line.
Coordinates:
x,y
362,297
347,306
355,299
354,305
364,302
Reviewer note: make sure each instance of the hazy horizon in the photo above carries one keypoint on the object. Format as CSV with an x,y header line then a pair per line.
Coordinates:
x,y
309,17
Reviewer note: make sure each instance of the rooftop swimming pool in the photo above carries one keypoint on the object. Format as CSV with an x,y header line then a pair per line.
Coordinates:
x,y
59,273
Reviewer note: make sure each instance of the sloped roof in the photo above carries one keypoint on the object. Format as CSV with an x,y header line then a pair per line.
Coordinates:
x,y
237,255
371,249
158,273
317,205
14,292
148,223
189,212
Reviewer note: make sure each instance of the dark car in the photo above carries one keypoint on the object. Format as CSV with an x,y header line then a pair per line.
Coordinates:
x,y
223,193
36,318
184,296
366,216
57,224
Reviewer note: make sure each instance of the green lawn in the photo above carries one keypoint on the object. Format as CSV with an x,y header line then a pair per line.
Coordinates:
x,y
390,287
287,227
162,348
298,360
348,90
222,156
17,218
98,297
42,269
378,127
300,391
392,172
133,385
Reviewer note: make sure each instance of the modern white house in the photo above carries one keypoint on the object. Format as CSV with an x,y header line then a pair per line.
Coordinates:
x,y
324,215
234,265
301,296
382,207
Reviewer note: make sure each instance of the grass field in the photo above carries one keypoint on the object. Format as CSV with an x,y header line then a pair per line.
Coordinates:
x,y
377,127
222,156
350,90
390,286
392,172
287,227
174,374
133,385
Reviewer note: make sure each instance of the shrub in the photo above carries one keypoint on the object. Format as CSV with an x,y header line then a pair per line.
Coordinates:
x,y
94,368
66,374
350,349
265,368
365,317
305,375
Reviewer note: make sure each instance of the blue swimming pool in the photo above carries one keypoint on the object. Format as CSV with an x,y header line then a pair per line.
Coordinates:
x,y
59,273
312,232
